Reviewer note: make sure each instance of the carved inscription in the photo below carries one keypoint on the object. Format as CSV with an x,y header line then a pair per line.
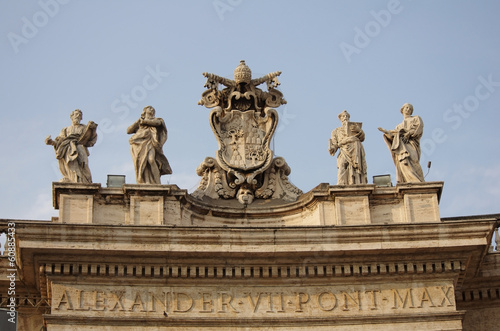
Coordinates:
x,y
249,302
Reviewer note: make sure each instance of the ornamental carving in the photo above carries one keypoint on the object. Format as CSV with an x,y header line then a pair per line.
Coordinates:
x,y
244,120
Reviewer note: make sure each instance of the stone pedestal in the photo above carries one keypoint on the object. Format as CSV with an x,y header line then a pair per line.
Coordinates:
x,y
324,205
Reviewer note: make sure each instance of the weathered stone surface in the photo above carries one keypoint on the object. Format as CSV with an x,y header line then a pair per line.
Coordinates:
x,y
186,277
244,120
71,147
248,250
404,145
250,302
351,161
146,146
480,296
324,205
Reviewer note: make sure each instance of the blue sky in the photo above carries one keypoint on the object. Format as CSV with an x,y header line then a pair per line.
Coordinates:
x,y
112,58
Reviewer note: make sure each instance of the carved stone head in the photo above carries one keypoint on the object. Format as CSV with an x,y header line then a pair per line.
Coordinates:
x,y
76,116
344,116
407,107
148,112
245,196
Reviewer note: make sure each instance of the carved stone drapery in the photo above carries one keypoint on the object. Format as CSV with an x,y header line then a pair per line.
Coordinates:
x,y
72,149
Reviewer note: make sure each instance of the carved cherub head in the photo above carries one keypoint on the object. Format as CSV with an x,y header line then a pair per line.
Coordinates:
x,y
245,195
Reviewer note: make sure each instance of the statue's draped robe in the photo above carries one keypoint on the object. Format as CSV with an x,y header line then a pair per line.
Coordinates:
x,y
351,161
146,146
406,155
72,152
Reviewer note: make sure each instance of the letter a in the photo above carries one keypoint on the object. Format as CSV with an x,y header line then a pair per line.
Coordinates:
x,y
348,50
221,8
16,40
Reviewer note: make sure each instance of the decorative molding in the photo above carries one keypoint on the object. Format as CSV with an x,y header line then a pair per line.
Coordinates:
x,y
304,270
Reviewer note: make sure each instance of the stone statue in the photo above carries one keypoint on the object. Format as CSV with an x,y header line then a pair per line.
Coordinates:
x,y
72,151
146,146
404,144
351,162
243,120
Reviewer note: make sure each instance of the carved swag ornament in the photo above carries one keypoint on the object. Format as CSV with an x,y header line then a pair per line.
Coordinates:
x,y
243,120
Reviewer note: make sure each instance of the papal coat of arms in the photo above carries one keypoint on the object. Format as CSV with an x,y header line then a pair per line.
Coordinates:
x,y
243,120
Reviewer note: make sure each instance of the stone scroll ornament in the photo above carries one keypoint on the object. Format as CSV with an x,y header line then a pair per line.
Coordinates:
x,y
71,147
244,120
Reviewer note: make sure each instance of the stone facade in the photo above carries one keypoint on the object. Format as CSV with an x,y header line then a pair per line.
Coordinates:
x,y
152,257
247,249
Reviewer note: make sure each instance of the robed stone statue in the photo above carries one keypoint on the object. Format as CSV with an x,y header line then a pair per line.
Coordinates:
x,y
71,147
404,144
347,141
149,133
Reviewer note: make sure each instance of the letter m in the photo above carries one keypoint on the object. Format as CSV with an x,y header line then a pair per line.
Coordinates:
x,y
403,302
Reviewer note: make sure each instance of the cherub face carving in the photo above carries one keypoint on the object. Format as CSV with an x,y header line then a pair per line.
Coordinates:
x,y
245,196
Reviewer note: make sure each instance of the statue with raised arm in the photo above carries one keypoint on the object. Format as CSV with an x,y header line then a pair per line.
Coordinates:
x,y
404,144
71,147
351,162
146,146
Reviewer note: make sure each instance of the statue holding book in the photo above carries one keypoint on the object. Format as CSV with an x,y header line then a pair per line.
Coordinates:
x,y
71,147
351,161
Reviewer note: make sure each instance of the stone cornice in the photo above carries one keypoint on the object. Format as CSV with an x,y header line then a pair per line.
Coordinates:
x,y
421,321
44,235
343,250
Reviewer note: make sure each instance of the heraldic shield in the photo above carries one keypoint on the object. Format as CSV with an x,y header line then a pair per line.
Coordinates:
x,y
244,120
244,138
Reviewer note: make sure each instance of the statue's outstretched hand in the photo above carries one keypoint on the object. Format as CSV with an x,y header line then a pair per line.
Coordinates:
x,y
49,141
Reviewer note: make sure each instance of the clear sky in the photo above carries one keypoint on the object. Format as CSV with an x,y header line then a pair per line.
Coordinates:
x,y
112,58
